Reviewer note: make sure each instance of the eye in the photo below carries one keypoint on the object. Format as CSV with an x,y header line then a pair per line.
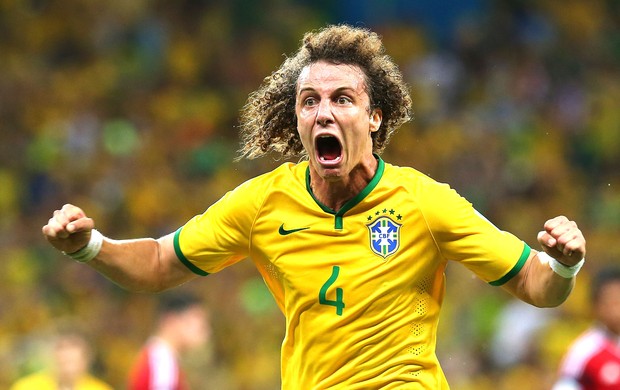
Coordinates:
x,y
343,100
309,101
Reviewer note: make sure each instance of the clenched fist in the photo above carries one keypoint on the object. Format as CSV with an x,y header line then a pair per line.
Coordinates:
x,y
563,241
69,229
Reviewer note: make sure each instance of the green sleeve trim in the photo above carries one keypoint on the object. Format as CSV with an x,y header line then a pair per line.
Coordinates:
x,y
181,256
515,270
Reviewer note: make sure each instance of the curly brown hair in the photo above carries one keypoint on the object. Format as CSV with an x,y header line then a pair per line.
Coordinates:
x,y
268,120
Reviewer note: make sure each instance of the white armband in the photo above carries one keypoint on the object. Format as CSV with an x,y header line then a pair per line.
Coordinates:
x,y
559,268
91,250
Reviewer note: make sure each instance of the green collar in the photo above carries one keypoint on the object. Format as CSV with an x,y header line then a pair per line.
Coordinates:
x,y
338,222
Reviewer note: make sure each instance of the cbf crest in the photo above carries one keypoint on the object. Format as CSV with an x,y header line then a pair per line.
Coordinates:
x,y
384,236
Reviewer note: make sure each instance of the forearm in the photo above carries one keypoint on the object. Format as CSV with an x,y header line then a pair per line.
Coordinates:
x,y
548,283
131,264
539,285
548,289
140,265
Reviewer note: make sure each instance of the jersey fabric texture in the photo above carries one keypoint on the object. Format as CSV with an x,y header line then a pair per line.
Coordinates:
x,y
157,368
592,362
46,381
360,288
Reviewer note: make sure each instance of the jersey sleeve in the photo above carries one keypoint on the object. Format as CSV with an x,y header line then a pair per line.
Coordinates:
x,y
462,234
220,236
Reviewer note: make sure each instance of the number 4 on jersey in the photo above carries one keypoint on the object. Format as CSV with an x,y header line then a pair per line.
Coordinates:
x,y
338,303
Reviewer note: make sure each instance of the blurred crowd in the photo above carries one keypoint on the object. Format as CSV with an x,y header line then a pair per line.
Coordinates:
x,y
129,110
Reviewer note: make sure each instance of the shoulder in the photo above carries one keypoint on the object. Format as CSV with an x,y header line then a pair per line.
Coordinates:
x,y
161,356
582,350
412,180
430,194
92,383
252,192
407,173
38,380
591,341
280,177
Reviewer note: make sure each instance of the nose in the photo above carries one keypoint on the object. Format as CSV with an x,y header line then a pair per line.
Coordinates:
x,y
324,115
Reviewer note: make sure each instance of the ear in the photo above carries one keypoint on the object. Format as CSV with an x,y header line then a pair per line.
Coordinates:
x,y
376,117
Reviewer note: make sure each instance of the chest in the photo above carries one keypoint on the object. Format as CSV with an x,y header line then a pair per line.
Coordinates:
x,y
376,249
603,370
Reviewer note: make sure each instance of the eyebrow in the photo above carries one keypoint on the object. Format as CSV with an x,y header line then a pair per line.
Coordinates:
x,y
337,90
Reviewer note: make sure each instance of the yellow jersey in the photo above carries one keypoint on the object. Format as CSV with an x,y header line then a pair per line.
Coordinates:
x,y
46,381
360,288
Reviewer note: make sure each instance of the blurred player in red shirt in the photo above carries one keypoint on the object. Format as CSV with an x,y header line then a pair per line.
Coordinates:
x,y
182,324
593,360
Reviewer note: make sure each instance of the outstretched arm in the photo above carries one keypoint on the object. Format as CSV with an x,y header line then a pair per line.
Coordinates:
x,y
537,283
143,264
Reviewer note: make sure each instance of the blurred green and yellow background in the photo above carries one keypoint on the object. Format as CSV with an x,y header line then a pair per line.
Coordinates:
x,y
129,109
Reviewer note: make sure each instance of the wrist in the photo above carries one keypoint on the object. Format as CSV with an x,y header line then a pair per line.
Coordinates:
x,y
559,268
90,251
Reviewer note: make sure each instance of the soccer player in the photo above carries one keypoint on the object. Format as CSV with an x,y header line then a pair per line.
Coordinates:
x,y
182,324
593,360
352,248
70,363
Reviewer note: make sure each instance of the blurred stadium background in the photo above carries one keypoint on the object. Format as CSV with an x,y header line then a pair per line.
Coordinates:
x,y
129,109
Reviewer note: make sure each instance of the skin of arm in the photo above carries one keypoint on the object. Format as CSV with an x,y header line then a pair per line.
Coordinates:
x,y
149,265
140,265
537,283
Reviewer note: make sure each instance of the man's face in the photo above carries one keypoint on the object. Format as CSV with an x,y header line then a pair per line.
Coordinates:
x,y
195,326
334,120
608,306
71,358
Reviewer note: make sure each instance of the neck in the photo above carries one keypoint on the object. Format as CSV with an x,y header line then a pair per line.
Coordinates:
x,y
335,192
170,338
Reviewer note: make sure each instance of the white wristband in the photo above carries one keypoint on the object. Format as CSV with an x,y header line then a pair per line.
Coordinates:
x,y
559,268
91,250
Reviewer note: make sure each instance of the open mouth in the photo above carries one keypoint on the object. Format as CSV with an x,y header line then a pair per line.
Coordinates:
x,y
328,149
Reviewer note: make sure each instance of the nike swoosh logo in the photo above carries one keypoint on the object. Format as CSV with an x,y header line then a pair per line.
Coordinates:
x,y
284,232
